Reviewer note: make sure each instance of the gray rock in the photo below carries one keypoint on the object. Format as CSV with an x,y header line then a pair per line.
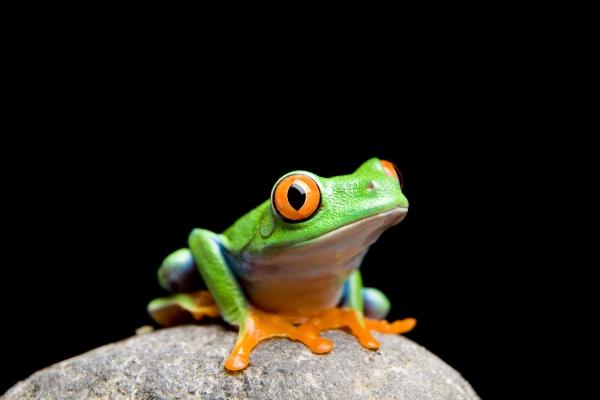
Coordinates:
x,y
187,363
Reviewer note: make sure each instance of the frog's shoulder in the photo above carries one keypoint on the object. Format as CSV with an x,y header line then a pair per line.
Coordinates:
x,y
245,228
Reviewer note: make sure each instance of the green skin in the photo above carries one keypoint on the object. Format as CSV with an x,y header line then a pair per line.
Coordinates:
x,y
220,257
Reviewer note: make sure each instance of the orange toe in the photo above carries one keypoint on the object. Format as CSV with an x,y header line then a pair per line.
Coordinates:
x,y
400,326
260,326
201,304
344,317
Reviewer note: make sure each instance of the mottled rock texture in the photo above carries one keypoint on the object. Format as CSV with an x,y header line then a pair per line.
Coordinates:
x,y
187,363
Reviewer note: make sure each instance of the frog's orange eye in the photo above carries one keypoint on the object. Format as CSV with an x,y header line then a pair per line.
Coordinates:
x,y
296,197
393,171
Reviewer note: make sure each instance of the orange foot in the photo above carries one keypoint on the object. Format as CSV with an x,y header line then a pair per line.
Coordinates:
x,y
202,305
359,327
260,326
400,326
338,318
177,308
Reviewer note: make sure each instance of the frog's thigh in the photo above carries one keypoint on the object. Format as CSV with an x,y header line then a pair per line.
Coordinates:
x,y
376,304
178,273
209,250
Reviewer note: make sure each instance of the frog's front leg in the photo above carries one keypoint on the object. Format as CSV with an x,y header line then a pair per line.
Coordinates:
x,y
352,317
209,250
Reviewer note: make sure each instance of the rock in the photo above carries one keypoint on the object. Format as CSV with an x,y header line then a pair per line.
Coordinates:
x,y
187,363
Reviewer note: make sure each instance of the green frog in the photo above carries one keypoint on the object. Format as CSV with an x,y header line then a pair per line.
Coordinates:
x,y
290,267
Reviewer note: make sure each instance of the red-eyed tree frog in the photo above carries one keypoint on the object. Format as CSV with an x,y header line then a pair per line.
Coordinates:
x,y
290,267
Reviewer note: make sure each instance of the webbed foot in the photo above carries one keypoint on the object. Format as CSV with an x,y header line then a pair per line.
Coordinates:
x,y
177,308
259,326
399,326
339,318
360,327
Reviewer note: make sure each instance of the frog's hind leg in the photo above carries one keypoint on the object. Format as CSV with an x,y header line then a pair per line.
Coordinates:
x,y
376,304
178,273
376,308
182,307
179,276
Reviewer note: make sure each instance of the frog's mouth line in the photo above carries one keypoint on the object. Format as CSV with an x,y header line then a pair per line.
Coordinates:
x,y
370,228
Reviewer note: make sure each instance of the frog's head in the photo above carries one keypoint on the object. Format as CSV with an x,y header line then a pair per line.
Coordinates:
x,y
304,206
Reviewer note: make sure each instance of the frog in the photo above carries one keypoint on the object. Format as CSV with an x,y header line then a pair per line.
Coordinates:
x,y
291,266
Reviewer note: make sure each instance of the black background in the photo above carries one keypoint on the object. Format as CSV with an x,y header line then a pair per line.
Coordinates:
x,y
123,168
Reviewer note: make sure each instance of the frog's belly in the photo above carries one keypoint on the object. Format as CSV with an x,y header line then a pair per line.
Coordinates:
x,y
309,278
315,285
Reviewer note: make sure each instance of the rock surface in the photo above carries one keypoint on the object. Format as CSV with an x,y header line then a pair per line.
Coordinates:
x,y
187,363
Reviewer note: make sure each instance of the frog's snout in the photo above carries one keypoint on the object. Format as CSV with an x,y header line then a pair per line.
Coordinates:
x,y
371,185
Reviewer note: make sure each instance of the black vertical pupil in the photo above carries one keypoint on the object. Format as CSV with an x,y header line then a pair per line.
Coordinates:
x,y
296,196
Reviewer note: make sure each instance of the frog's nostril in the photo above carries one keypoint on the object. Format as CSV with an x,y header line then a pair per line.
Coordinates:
x,y
371,186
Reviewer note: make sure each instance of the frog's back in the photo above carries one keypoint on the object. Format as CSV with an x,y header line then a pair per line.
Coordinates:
x,y
245,228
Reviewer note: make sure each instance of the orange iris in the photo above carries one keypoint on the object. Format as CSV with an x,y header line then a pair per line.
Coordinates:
x,y
297,197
